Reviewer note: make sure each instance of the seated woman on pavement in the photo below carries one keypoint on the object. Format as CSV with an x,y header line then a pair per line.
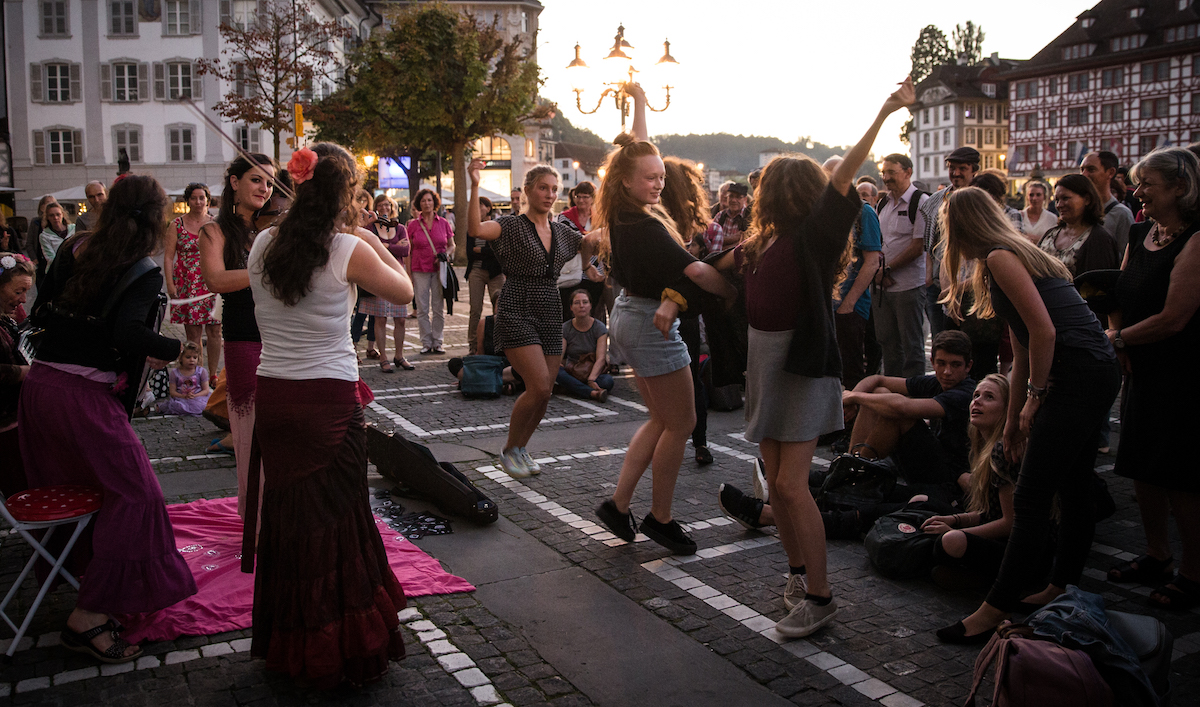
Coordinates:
x,y
585,340
889,416
971,545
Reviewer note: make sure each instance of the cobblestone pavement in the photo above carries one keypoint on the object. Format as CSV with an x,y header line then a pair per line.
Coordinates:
x,y
726,598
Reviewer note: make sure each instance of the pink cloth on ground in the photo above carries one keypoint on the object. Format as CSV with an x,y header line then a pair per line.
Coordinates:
x,y
208,533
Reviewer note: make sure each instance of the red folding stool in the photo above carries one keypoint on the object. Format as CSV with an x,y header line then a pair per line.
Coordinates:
x,y
46,509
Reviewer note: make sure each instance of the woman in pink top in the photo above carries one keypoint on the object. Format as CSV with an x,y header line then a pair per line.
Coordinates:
x,y
431,241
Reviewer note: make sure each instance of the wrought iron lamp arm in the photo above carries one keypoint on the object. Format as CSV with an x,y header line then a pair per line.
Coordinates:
x,y
665,105
599,101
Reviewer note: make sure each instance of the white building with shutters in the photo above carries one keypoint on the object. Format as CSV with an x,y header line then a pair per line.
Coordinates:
x,y
87,79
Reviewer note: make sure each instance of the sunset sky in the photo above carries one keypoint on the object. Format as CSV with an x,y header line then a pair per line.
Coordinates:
x,y
776,67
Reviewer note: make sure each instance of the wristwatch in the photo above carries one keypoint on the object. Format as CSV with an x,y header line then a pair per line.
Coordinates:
x,y
1118,341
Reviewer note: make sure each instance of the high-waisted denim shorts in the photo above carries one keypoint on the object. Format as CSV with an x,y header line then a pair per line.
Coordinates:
x,y
637,342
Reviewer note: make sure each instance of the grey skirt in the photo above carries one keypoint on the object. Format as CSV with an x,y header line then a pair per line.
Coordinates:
x,y
784,406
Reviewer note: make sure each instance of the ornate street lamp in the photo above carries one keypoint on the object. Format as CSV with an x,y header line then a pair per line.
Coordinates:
x,y
617,75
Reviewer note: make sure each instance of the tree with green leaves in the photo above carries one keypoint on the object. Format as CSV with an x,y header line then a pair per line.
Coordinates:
x,y
930,50
436,80
968,42
272,60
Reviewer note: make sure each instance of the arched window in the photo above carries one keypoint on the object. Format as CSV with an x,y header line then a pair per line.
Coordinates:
x,y
493,149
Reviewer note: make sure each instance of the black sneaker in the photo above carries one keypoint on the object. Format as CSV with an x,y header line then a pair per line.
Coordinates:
x,y
620,524
739,506
669,535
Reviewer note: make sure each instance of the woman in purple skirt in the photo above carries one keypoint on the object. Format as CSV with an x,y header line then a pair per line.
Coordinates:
x,y
75,430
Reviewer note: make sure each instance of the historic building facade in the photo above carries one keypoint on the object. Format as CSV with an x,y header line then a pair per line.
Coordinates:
x,y
88,79
1124,77
960,106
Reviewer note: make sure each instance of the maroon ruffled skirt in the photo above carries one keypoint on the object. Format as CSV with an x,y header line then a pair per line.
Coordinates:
x,y
325,598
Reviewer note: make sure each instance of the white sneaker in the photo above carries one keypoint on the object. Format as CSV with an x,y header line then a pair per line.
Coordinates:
x,y
793,594
513,464
534,467
806,618
761,492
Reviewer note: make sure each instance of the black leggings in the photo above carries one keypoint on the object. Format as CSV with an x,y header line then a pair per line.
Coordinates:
x,y
1059,458
982,557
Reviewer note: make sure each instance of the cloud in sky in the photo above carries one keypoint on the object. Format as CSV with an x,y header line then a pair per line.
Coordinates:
x,y
776,67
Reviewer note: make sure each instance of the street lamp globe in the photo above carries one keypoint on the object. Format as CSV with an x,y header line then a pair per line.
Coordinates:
x,y
579,72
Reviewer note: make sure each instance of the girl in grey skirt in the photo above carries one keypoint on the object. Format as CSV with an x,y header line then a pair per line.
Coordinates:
x,y
791,260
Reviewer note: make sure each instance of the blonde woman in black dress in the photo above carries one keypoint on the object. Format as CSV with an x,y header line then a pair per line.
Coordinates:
x,y
532,249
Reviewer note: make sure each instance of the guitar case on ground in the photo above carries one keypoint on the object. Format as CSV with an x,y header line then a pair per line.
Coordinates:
x,y
414,468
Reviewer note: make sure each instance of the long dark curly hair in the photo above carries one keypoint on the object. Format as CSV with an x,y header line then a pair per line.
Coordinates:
x,y
130,228
234,228
302,239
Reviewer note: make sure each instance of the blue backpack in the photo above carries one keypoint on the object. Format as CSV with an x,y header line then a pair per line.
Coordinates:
x,y
481,376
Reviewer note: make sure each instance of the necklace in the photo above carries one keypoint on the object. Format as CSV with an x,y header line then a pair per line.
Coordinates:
x,y
1160,241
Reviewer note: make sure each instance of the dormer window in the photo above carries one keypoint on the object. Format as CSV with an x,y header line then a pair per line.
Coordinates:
x,y
1127,42
989,90
1136,12
1184,4
1088,22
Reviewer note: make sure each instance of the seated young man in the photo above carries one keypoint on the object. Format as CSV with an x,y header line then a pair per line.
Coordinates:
x,y
890,417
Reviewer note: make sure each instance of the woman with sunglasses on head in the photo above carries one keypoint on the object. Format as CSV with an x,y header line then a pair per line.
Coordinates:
x,y
224,246
184,281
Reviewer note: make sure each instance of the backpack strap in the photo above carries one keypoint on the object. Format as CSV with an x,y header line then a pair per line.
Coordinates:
x,y
995,647
1112,205
131,276
914,205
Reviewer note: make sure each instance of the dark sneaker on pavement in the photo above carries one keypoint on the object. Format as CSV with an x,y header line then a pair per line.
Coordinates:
x,y
669,535
740,507
619,524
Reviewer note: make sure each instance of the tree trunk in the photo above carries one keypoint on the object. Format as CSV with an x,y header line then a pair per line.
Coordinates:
x,y
275,138
461,197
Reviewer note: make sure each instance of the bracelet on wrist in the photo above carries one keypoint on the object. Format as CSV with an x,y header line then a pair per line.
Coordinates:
x,y
1036,392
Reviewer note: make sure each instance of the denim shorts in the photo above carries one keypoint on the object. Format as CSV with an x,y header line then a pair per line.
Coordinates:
x,y
637,342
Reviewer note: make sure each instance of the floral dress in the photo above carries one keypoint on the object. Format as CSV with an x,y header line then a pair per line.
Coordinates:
x,y
188,281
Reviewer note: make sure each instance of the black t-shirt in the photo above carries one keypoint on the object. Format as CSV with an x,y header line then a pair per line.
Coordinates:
x,y
645,258
950,430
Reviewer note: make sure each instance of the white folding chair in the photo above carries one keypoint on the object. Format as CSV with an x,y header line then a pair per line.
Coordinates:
x,y
46,509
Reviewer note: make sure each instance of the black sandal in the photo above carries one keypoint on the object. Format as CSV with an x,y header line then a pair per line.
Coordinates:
x,y
1149,571
82,643
1180,593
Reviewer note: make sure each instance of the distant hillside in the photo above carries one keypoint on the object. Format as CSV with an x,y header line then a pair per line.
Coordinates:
x,y
718,151
565,132
740,152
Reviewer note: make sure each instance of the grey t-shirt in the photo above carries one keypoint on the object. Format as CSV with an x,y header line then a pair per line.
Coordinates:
x,y
580,343
1117,222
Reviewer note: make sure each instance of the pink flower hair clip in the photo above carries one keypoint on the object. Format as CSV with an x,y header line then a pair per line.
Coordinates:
x,y
302,164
